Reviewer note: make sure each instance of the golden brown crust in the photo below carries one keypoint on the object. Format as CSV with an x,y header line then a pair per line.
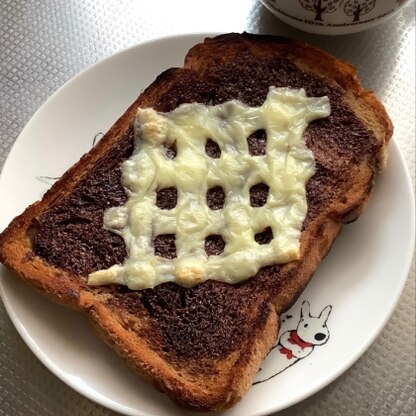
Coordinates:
x,y
235,371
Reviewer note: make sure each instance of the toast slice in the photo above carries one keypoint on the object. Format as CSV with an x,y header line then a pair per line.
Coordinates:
x,y
203,346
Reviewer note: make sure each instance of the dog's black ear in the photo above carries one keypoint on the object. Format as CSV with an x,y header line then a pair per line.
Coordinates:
x,y
324,315
305,309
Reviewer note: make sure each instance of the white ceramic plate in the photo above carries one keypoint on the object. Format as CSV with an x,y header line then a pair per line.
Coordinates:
x,y
361,278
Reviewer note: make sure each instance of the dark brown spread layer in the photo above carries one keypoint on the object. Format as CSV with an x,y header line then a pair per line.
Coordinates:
x,y
206,321
192,324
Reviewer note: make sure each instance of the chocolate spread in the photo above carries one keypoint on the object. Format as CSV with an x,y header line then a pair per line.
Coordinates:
x,y
208,320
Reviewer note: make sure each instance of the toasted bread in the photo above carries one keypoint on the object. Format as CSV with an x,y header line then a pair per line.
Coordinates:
x,y
203,345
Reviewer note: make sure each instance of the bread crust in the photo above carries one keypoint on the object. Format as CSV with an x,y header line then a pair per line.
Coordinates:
x,y
236,370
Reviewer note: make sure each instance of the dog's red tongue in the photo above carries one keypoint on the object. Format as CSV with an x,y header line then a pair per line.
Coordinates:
x,y
295,340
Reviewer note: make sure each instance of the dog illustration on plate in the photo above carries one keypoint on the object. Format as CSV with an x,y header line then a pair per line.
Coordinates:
x,y
296,344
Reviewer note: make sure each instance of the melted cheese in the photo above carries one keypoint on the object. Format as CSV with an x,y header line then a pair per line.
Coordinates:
x,y
285,168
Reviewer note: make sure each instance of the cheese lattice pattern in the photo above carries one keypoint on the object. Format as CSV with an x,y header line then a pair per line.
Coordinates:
x,y
285,169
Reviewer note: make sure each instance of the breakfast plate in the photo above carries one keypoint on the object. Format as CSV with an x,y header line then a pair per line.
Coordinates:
x,y
351,296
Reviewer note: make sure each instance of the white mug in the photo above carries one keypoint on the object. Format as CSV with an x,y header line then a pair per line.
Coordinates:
x,y
333,17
